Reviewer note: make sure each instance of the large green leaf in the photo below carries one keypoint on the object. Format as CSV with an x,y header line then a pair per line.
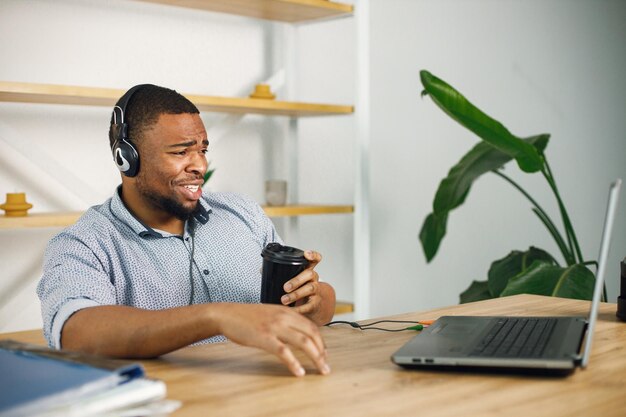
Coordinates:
x,y
477,291
490,130
433,231
504,269
575,281
454,188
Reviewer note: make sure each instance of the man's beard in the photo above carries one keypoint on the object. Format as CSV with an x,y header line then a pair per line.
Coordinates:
x,y
172,206
167,204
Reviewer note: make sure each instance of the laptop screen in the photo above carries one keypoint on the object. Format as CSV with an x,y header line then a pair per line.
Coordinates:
x,y
602,260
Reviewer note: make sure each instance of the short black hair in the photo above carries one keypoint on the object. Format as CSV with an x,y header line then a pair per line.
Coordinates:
x,y
144,108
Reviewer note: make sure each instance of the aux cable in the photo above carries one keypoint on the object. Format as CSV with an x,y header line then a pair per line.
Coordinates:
x,y
416,325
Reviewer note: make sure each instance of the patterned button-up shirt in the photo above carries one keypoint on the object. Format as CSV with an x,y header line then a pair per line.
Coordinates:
x,y
110,258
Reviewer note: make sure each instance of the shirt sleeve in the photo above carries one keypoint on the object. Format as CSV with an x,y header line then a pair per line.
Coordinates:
x,y
73,278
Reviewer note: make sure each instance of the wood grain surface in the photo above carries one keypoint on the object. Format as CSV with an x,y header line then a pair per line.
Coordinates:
x,y
230,380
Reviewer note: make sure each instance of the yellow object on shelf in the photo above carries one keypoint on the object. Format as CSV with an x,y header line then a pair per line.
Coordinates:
x,y
16,205
263,91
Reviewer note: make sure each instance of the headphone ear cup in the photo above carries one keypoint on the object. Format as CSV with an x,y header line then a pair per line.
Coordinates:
x,y
126,158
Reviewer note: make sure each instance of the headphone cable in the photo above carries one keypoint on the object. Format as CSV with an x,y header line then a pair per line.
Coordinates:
x,y
193,247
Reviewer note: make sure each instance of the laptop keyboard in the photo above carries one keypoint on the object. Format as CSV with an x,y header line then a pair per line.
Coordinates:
x,y
516,338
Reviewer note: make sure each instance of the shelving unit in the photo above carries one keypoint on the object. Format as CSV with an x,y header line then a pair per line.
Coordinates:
x,y
290,11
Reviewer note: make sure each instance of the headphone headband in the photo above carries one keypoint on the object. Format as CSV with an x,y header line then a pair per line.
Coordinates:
x,y
125,100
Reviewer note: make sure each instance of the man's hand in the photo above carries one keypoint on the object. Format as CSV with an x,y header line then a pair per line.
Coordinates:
x,y
275,329
312,298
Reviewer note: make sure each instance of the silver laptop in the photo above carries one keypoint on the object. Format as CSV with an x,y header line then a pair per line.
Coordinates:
x,y
544,345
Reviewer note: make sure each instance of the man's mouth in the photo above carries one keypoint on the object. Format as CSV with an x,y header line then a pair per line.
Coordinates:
x,y
191,191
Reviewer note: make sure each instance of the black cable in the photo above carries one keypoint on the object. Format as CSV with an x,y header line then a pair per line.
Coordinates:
x,y
193,247
416,325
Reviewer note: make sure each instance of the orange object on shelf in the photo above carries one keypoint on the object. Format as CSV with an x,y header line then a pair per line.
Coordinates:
x,y
263,91
16,205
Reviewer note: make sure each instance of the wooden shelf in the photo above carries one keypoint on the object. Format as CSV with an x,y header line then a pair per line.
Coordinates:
x,y
95,96
344,307
302,210
39,220
66,219
292,11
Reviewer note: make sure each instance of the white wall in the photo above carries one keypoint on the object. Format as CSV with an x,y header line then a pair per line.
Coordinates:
x,y
538,66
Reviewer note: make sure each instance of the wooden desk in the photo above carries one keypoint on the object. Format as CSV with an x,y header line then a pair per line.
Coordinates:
x,y
229,380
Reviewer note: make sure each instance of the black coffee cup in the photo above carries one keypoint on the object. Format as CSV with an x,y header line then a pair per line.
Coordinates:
x,y
280,264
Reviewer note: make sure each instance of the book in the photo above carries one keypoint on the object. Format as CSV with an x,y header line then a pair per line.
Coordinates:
x,y
138,397
36,380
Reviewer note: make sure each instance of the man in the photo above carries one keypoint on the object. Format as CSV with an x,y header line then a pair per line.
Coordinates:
x,y
160,266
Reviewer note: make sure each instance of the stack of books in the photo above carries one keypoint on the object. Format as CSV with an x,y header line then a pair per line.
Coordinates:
x,y
37,381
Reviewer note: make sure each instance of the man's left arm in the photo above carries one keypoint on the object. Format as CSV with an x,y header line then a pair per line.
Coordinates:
x,y
313,298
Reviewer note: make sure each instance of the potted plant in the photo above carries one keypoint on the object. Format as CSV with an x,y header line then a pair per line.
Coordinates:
x,y
534,270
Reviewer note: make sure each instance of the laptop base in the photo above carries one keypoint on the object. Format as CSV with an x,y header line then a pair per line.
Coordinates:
x,y
490,370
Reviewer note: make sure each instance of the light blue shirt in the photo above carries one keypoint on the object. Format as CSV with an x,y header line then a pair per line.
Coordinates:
x,y
110,258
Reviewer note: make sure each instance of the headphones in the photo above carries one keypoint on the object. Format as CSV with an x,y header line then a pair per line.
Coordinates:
x,y
124,153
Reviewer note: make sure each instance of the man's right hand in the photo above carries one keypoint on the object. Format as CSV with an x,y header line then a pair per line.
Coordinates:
x,y
273,328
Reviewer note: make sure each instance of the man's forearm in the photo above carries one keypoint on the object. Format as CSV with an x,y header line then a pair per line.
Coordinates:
x,y
129,332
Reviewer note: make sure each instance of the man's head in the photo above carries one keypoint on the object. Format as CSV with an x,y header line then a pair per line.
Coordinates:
x,y
166,130
140,107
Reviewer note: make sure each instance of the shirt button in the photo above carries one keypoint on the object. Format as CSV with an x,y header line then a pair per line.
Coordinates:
x,y
187,239
206,272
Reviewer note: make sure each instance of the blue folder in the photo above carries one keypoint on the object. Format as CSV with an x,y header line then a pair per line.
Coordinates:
x,y
33,379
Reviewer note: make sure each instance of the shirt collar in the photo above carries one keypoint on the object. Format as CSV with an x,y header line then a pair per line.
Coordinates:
x,y
118,208
203,211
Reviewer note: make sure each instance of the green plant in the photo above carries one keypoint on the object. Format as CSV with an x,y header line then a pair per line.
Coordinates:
x,y
533,271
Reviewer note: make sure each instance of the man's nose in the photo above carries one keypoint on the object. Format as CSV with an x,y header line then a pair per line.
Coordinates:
x,y
198,163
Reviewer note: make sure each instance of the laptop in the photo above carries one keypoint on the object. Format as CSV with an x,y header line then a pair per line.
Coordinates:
x,y
545,345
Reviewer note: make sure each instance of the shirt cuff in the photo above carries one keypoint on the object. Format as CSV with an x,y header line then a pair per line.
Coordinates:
x,y
64,313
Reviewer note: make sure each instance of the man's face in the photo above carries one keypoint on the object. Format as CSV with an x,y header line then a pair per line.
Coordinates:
x,y
172,164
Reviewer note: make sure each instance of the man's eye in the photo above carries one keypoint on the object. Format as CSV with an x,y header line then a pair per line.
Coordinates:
x,y
180,153
204,151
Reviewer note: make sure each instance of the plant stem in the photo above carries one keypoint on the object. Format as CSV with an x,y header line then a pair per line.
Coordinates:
x,y
545,219
569,257
547,173
569,229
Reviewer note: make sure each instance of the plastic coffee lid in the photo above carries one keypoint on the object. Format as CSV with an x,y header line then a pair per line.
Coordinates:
x,y
278,253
